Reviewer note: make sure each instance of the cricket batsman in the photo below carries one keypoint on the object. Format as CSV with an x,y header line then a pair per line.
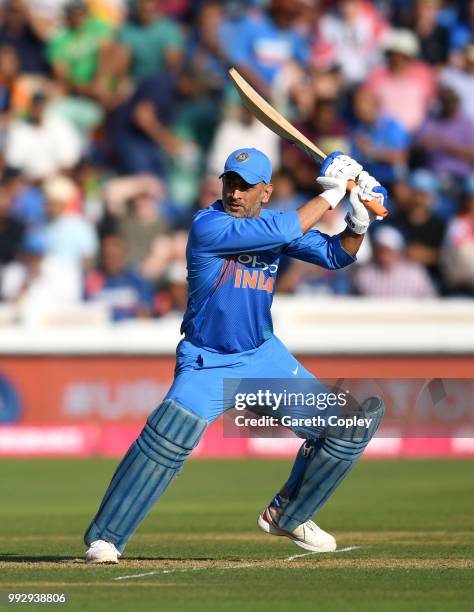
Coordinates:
x,y
228,333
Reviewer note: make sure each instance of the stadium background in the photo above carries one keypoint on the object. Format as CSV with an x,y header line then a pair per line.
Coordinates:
x,y
115,120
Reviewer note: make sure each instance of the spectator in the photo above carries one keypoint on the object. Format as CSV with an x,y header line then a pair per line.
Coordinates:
x,y
84,57
244,128
139,129
24,32
433,36
15,88
457,254
143,149
422,229
448,138
204,76
155,43
391,274
27,201
461,80
403,79
70,237
39,280
206,55
41,146
210,191
173,296
379,143
350,36
111,12
461,32
11,229
324,126
285,195
8,76
121,288
136,218
266,43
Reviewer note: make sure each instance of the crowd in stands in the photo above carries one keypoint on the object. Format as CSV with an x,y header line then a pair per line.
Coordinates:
x,y
116,117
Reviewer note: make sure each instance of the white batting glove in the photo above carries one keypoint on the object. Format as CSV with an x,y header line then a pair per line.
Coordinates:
x,y
334,189
359,217
338,165
371,189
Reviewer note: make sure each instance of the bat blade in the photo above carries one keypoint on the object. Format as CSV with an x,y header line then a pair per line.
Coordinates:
x,y
275,122
272,119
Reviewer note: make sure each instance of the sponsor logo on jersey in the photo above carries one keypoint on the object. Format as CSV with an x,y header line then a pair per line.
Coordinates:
x,y
258,276
254,261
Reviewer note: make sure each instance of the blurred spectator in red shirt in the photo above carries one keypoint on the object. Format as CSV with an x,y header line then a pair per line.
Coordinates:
x,y
391,274
122,289
405,87
351,36
457,255
448,138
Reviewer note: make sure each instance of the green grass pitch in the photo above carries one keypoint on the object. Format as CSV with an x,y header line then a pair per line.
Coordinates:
x,y
411,521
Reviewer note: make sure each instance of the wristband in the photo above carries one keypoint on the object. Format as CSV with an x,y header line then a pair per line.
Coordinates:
x,y
356,226
332,197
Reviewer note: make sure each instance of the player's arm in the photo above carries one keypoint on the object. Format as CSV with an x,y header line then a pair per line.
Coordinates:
x,y
320,249
336,171
339,251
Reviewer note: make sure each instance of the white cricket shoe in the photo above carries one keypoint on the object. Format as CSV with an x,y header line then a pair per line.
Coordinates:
x,y
101,551
308,535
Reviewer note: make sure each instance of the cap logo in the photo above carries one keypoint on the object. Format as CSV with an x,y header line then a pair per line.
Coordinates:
x,y
242,157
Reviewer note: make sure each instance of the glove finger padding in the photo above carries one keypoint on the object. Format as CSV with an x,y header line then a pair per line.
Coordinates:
x,y
338,165
371,189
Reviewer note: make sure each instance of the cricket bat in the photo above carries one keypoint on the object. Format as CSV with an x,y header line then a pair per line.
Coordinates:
x,y
274,121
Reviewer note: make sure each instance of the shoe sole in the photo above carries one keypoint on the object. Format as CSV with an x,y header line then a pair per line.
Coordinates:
x,y
272,529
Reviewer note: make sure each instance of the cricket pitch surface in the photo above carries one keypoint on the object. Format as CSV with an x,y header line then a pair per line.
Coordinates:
x,y
404,530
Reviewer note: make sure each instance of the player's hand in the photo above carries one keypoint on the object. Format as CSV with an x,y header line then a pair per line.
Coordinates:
x,y
371,189
359,217
334,189
338,165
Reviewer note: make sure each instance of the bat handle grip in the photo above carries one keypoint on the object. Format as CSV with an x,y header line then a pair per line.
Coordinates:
x,y
373,205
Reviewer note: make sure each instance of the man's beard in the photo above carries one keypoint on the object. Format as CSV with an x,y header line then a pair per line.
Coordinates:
x,y
245,213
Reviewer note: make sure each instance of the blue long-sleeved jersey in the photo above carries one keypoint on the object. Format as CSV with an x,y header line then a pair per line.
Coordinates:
x,y
232,268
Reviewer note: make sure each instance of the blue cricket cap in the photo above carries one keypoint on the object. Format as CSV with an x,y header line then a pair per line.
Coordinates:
x,y
251,164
